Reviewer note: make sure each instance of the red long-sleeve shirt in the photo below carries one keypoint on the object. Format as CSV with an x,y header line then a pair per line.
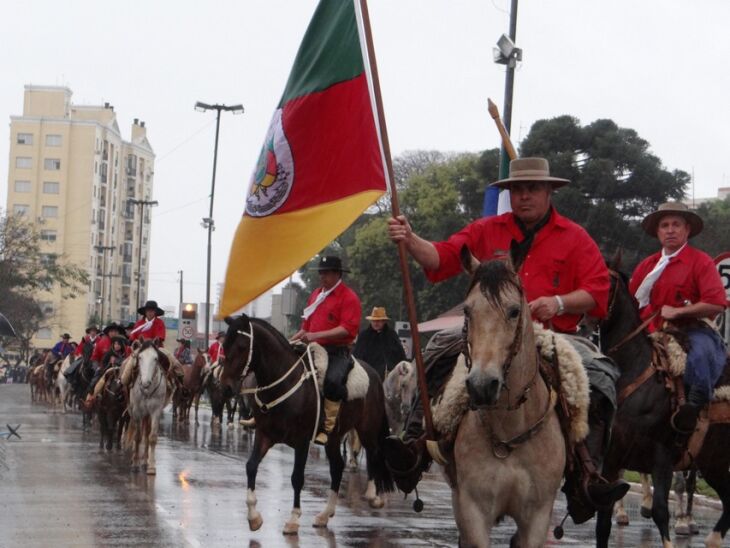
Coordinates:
x,y
157,331
340,308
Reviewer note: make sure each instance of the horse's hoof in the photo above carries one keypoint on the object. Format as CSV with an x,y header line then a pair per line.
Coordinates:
x,y
151,471
291,528
694,529
321,520
376,502
230,425
622,519
255,523
714,540
645,512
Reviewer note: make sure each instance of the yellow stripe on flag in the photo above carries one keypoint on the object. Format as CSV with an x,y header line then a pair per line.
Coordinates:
x,y
267,250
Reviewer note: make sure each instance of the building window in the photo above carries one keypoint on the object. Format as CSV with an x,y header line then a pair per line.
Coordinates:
x,y
44,333
21,209
50,187
23,162
53,140
52,164
22,186
46,307
25,138
48,259
49,212
48,235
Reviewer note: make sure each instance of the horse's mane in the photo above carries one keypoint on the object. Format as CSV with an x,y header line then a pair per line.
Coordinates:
x,y
493,278
272,330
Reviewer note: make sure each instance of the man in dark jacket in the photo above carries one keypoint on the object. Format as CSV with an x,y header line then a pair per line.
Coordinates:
x,y
378,345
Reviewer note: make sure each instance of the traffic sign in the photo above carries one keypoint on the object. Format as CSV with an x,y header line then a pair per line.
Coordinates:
x,y
722,262
187,332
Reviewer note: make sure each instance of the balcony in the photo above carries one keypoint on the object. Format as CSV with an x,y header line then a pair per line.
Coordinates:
x,y
126,280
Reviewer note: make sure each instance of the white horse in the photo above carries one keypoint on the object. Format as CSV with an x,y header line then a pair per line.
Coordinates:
x,y
149,393
64,388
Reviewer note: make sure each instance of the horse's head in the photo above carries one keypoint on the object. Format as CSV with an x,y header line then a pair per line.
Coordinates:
x,y
494,317
148,363
400,385
237,347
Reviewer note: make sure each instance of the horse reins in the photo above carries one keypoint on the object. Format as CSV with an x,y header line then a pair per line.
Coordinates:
x,y
309,372
636,331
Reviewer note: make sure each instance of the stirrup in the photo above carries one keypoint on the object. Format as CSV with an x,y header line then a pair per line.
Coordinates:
x,y
318,438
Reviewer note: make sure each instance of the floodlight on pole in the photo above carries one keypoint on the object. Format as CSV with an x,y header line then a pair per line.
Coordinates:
x,y
208,221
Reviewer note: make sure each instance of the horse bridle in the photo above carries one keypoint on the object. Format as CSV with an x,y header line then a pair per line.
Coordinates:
x,y
247,365
514,349
612,300
154,375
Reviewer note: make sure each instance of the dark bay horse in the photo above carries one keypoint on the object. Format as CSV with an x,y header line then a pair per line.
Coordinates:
x,y
290,414
191,390
111,407
642,437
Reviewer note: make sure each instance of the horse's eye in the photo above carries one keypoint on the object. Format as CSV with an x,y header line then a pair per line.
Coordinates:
x,y
513,313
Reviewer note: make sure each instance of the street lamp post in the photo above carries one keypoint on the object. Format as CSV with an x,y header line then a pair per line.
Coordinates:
x,y
103,249
141,204
208,221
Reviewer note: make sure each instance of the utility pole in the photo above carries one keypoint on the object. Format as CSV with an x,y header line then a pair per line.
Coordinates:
x,y
103,249
181,287
141,204
208,221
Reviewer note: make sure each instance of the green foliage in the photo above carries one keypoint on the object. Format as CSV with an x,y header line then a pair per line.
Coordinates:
x,y
615,180
715,236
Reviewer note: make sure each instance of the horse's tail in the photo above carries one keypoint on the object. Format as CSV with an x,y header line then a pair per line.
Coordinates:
x,y
376,460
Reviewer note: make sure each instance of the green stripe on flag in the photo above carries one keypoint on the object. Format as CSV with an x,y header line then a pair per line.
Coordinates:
x,y
329,53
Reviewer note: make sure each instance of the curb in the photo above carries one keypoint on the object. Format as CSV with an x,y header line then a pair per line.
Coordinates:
x,y
698,500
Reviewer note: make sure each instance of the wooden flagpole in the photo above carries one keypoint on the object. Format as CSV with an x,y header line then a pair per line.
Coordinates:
x,y
506,141
395,208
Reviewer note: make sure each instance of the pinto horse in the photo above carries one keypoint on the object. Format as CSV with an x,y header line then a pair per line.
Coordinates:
x,y
642,438
499,465
149,393
286,411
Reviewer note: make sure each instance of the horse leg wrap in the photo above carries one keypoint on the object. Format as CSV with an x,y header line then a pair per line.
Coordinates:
x,y
329,510
291,527
254,516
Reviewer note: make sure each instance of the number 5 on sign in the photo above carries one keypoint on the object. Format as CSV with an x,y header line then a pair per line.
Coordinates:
x,y
722,262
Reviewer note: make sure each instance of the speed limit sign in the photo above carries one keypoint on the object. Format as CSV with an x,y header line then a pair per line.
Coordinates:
x,y
722,262
187,332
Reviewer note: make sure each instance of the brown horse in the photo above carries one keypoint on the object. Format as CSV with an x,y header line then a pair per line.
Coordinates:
x,y
499,465
111,407
642,438
286,411
191,390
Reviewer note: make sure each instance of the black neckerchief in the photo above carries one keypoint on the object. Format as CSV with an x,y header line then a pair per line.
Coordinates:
x,y
519,250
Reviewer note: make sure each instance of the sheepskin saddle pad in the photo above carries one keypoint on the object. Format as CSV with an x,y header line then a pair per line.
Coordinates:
x,y
677,360
449,408
358,381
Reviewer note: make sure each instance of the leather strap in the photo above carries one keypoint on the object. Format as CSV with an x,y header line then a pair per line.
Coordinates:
x,y
648,373
633,334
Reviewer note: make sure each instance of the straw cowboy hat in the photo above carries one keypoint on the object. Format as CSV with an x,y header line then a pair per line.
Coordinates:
x,y
650,224
331,262
378,313
528,170
150,305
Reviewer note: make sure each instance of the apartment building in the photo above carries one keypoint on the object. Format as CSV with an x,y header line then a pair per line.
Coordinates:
x,y
74,177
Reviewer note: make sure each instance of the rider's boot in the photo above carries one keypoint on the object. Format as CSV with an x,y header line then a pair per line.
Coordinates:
x,y
601,493
685,418
331,409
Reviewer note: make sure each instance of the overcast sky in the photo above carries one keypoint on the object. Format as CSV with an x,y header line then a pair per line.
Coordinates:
x,y
660,67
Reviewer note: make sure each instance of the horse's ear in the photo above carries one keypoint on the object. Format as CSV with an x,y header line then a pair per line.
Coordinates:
x,y
200,351
615,262
468,261
164,359
136,344
157,342
404,368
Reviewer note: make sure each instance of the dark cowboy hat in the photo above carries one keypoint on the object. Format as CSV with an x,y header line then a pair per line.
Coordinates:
x,y
92,328
186,342
120,339
150,305
220,334
65,336
650,224
331,262
119,328
528,170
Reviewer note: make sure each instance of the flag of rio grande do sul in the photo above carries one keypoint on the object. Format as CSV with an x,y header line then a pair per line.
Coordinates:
x,y
321,164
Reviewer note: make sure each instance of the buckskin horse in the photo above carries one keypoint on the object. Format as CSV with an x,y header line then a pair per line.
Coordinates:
x,y
642,438
509,452
286,410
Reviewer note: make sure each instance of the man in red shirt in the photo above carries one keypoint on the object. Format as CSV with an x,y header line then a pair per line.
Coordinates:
x,y
216,349
332,319
86,346
563,276
104,342
681,285
150,326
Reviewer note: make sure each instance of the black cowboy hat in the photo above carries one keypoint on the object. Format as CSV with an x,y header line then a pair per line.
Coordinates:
x,y
153,305
120,339
92,328
220,334
186,342
65,336
111,326
331,262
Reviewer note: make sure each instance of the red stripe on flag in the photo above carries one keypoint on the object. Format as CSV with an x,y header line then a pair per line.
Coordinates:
x,y
334,145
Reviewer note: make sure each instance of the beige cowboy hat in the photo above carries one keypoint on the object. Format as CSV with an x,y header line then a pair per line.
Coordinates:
x,y
650,224
523,170
378,313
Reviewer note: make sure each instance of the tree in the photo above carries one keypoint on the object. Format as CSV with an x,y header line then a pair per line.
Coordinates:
x,y
715,236
26,272
615,180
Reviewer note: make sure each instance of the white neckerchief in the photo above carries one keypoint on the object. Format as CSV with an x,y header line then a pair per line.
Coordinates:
x,y
144,327
643,293
318,301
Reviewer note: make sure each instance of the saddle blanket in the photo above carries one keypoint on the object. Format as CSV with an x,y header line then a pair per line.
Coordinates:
x,y
449,408
358,381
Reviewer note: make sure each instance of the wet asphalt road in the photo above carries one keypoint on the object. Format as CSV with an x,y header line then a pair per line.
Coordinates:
x,y
58,489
